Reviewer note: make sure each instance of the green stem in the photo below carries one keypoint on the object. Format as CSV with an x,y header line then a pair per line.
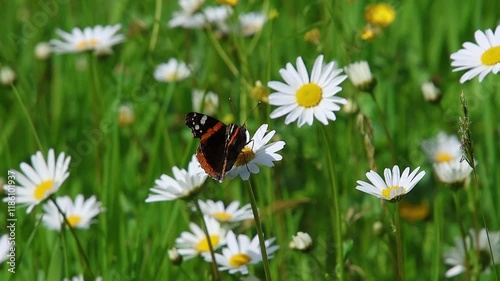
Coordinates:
x,y
386,129
335,212
79,245
96,107
258,224
399,243
222,54
438,226
464,235
28,117
156,26
215,270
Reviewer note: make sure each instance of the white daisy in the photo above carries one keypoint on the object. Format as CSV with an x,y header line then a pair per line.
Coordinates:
x,y
217,14
173,70
80,278
456,171
191,6
229,214
257,152
79,213
187,20
478,59
42,179
443,148
252,23
7,75
194,243
206,102
4,247
43,50
360,75
301,242
305,98
430,92
395,185
186,183
97,38
456,256
240,252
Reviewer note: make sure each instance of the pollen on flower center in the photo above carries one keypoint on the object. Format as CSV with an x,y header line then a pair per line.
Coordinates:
x,y
203,244
491,56
246,155
309,95
239,260
222,216
42,189
74,220
443,157
392,192
172,76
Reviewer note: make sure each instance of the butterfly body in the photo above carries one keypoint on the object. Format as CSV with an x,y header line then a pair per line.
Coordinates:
x,y
220,144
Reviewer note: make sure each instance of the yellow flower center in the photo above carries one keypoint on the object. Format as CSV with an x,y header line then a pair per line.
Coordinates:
x,y
172,76
42,189
381,14
387,193
309,95
491,56
246,155
85,44
74,220
228,2
239,260
203,244
222,216
443,157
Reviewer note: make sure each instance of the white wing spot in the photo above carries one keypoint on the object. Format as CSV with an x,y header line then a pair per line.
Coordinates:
x,y
196,127
203,119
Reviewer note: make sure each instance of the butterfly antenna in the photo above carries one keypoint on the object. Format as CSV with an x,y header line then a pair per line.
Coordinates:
x,y
253,110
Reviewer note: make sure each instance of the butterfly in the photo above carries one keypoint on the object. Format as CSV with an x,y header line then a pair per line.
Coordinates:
x,y
220,144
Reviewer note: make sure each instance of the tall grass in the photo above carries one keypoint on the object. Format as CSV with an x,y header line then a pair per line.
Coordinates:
x,y
72,102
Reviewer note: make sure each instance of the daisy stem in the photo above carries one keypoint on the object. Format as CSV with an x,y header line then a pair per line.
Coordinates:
x,y
386,129
399,244
28,117
156,26
79,245
335,212
260,233
215,270
96,106
221,53
464,235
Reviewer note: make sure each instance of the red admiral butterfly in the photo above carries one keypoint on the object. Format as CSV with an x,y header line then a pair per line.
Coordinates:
x,y
220,144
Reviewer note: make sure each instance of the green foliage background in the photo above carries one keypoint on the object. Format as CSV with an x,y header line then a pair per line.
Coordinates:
x,y
130,240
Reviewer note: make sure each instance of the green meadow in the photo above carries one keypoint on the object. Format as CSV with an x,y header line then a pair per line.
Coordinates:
x,y
71,103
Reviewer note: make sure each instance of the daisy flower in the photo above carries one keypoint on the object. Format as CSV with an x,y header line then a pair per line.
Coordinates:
x,y
206,102
240,252
186,183
229,214
478,59
456,256
217,14
430,92
305,98
257,152
394,187
453,172
443,148
301,242
4,247
188,16
194,243
97,38
360,75
173,70
7,76
42,179
252,23
79,213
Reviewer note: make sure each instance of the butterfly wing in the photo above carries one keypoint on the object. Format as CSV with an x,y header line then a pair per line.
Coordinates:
x,y
212,135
